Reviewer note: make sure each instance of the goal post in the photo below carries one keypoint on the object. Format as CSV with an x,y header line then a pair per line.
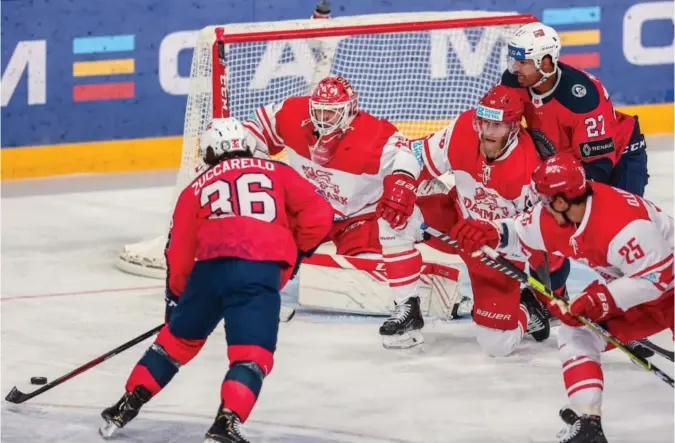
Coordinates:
x,y
418,70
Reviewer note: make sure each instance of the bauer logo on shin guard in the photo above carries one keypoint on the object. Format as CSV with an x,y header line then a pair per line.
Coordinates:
x,y
492,315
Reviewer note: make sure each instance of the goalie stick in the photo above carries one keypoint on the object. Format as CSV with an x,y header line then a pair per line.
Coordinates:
x,y
492,258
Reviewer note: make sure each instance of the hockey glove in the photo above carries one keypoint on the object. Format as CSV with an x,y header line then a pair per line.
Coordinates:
x,y
472,235
301,256
558,309
171,301
595,303
398,200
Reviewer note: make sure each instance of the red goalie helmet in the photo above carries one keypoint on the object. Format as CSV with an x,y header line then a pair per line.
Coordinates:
x,y
561,174
332,105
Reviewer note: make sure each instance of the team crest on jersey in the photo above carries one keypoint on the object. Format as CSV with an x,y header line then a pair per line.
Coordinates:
x,y
485,204
486,173
579,91
322,180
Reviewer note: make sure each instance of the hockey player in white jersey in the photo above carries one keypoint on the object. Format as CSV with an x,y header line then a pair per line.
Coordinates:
x,y
626,239
492,158
346,153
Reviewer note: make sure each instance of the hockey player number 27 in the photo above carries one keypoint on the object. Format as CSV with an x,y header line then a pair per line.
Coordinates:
x,y
592,124
256,204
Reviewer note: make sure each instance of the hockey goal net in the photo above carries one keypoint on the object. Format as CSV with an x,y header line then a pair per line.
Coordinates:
x,y
418,70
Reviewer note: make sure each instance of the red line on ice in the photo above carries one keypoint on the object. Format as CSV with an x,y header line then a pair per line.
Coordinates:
x,y
89,292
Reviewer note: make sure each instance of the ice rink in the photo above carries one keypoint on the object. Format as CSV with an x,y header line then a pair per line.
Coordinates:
x,y
63,303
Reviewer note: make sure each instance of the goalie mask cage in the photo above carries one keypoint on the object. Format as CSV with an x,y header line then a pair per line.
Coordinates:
x,y
418,70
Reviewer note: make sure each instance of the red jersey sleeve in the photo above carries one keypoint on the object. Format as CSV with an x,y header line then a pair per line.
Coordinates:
x,y
182,242
309,214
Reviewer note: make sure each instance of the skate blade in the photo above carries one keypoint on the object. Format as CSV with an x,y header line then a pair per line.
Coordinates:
x,y
403,341
107,429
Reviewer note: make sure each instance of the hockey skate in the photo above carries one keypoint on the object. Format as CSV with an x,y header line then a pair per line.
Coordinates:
x,y
581,428
403,329
538,326
226,429
126,409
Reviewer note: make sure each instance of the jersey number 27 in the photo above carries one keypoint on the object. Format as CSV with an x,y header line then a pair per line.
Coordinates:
x,y
246,202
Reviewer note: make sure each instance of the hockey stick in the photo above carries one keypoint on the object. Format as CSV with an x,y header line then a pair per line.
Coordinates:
x,y
16,396
492,259
657,349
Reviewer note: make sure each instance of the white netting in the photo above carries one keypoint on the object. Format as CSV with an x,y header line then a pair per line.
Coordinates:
x,y
418,80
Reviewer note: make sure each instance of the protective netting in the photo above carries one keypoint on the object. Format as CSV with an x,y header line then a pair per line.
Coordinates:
x,y
417,79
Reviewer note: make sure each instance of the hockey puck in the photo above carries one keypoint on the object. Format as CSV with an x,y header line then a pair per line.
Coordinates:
x,y
38,380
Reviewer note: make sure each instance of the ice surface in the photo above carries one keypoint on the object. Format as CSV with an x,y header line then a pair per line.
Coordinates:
x,y
63,303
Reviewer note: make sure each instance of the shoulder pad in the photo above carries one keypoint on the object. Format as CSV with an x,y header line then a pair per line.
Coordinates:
x,y
576,91
510,80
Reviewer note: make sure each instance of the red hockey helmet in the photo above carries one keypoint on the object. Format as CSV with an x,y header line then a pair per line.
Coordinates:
x,y
502,104
561,174
497,120
332,105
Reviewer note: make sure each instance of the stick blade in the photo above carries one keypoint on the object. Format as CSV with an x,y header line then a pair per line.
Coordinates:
x,y
16,396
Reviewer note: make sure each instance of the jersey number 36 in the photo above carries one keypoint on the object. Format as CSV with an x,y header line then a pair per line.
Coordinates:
x,y
245,200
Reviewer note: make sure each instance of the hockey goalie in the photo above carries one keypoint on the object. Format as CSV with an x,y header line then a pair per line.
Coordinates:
x,y
346,153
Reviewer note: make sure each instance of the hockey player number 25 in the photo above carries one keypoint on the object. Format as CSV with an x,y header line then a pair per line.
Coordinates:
x,y
631,251
256,204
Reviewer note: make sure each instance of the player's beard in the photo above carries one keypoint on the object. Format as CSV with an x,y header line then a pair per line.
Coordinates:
x,y
493,147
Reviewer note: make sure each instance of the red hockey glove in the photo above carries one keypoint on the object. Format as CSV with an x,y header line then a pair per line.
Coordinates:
x,y
398,200
474,234
595,303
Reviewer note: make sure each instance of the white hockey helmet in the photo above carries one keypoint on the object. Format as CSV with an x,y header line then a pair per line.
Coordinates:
x,y
534,41
223,136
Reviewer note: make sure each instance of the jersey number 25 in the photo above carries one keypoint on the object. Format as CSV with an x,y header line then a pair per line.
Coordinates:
x,y
247,202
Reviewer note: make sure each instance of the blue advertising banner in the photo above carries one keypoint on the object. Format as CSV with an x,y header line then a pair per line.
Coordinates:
x,y
100,71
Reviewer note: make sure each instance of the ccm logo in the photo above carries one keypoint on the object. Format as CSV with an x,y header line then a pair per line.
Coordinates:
x,y
405,184
223,92
492,315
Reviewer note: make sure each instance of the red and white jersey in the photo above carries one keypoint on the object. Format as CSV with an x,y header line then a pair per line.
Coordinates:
x,y
487,190
249,208
352,181
627,240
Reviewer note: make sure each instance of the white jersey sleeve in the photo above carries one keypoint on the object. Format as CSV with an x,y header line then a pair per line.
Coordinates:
x,y
521,233
262,133
398,149
432,151
645,259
